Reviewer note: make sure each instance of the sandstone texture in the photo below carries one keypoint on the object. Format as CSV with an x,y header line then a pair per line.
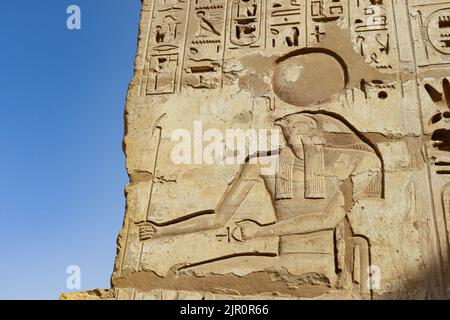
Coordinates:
x,y
287,149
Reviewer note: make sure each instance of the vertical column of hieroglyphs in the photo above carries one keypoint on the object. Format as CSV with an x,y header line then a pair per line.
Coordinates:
x,y
165,47
321,12
286,25
374,33
246,28
430,31
203,58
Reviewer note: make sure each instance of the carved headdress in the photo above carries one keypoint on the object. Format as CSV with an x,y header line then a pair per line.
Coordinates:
x,y
313,133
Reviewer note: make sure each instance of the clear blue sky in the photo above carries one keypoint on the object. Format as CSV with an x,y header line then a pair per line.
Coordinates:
x,y
62,174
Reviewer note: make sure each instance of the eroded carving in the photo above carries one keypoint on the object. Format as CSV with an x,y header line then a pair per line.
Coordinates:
x,y
298,81
360,93
246,16
286,24
440,120
310,200
205,47
431,22
374,29
165,41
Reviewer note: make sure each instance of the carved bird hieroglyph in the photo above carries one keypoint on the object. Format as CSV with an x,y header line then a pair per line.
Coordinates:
x,y
205,26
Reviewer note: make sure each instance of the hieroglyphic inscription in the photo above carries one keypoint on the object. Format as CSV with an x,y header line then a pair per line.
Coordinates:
x,y
193,36
246,23
431,28
286,24
374,36
438,125
322,12
360,91
165,46
204,45
373,32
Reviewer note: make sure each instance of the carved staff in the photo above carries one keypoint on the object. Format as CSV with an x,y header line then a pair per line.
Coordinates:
x,y
158,128
142,225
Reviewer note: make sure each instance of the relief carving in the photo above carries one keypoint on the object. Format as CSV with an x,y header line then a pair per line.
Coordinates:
x,y
286,24
440,121
357,206
310,197
246,22
165,41
430,21
374,29
205,47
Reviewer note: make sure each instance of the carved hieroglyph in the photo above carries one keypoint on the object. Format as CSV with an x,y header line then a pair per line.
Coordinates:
x,y
358,205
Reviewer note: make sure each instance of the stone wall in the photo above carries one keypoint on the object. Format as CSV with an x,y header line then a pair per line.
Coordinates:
x,y
287,148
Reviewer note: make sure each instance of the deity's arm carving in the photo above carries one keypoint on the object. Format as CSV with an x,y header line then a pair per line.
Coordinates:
x,y
329,218
230,202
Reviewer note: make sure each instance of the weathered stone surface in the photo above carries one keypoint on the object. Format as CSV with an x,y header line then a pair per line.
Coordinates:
x,y
99,294
354,202
133,294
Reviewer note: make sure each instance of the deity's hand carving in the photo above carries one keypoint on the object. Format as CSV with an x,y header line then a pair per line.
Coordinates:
x,y
248,230
147,230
